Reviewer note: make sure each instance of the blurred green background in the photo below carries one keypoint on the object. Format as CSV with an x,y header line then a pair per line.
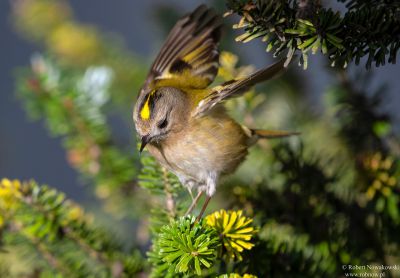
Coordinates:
x,y
327,198
139,25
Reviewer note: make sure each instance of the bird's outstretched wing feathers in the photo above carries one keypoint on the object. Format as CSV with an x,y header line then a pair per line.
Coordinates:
x,y
189,56
189,59
235,88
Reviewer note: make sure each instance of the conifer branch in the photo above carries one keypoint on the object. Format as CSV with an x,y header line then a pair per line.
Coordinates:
x,y
59,230
365,30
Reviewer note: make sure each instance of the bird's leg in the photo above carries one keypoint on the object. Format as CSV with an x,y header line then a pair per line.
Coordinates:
x,y
194,203
190,193
208,198
210,190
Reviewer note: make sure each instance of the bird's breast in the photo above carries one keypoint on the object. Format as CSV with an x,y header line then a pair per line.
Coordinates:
x,y
211,144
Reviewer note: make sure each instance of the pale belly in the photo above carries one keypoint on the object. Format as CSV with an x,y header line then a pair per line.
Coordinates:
x,y
214,145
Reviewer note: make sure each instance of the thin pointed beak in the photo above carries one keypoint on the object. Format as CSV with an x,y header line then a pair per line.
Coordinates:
x,y
145,140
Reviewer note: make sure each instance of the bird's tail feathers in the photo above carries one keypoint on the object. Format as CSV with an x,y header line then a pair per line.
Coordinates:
x,y
256,134
270,134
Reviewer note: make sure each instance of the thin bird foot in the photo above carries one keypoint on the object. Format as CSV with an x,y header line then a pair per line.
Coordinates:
x,y
203,209
194,203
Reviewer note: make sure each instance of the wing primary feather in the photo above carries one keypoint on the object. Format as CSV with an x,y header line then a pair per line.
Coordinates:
x,y
178,36
253,79
191,47
234,88
180,30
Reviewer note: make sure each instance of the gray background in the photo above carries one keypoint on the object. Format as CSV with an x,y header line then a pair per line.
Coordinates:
x,y
27,151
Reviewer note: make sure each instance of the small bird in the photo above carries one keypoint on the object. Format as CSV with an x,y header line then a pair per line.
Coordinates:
x,y
182,121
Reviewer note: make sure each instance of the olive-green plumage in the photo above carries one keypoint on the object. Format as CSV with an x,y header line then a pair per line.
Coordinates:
x,y
182,121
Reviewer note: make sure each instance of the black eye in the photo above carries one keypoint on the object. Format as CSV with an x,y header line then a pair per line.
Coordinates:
x,y
162,124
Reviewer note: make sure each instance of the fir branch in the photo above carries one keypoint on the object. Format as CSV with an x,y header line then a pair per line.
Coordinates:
x,y
166,189
296,249
353,106
169,199
50,258
235,231
73,108
236,275
305,26
46,219
184,246
356,4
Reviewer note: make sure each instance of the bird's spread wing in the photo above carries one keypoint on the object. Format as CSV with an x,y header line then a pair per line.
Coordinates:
x,y
235,88
189,56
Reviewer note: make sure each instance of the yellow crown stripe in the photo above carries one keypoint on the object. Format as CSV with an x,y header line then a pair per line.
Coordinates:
x,y
145,112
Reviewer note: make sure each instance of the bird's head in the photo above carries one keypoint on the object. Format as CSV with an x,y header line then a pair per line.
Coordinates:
x,y
159,113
